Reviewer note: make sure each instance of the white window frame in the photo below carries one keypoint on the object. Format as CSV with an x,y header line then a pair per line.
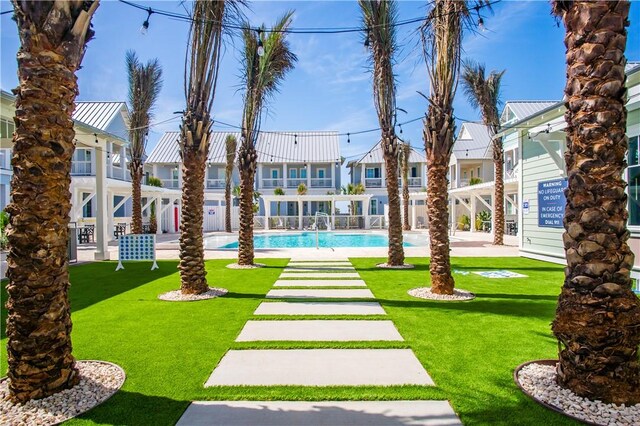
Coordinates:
x,y
293,173
277,176
373,205
324,172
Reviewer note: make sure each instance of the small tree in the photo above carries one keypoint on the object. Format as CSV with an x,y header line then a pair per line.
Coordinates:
x,y
302,189
278,191
405,153
231,144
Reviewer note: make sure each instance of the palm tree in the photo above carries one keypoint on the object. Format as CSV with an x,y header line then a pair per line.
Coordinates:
x,y
53,38
351,189
278,191
262,74
201,71
379,18
231,144
405,154
483,92
442,44
145,82
598,316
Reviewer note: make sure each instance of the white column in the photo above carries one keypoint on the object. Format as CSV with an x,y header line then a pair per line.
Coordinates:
x,y
285,175
424,175
154,170
454,219
110,214
457,175
178,213
101,232
365,212
159,215
123,162
363,175
333,212
309,176
383,175
333,176
473,213
107,155
267,213
413,214
179,165
259,177
73,215
300,214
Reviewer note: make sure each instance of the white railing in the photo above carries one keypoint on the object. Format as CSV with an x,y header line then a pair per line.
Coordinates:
x,y
215,183
320,183
349,222
258,222
376,221
81,168
463,182
293,183
170,183
510,174
119,173
373,182
415,181
271,183
284,222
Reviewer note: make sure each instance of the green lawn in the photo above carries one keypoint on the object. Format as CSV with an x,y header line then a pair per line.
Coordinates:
x,y
169,349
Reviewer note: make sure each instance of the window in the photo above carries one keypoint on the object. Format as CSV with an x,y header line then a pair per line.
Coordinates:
x,y
414,172
274,173
478,172
321,173
372,172
293,173
303,173
373,209
6,129
464,175
633,178
174,174
471,174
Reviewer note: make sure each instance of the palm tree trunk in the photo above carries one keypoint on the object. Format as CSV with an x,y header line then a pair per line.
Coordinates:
x,y
39,321
498,197
245,234
406,226
438,213
192,271
395,255
598,316
227,209
136,198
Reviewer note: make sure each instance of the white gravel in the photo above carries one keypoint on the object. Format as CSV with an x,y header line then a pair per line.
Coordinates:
x,y
254,266
426,293
177,296
387,266
539,381
98,382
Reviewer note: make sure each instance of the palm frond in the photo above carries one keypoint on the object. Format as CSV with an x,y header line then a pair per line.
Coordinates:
x,y
483,92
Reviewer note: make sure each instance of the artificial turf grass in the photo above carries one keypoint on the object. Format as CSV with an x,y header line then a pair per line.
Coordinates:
x,y
471,348
169,349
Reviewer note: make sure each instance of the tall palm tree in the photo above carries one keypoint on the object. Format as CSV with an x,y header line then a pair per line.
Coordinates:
x,y
598,316
231,145
262,74
442,45
379,18
145,82
53,38
405,153
483,92
201,74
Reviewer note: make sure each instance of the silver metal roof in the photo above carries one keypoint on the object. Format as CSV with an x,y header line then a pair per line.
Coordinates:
x,y
524,109
375,156
98,114
282,147
472,142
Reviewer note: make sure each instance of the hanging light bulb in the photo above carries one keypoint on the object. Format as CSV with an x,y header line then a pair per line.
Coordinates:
x,y
481,24
145,25
400,125
295,139
366,41
260,45
348,137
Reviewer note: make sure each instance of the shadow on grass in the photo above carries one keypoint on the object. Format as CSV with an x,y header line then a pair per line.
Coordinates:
x,y
94,282
132,408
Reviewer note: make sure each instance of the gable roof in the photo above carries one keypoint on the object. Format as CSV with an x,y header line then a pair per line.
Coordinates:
x,y
98,114
472,142
519,110
375,155
281,147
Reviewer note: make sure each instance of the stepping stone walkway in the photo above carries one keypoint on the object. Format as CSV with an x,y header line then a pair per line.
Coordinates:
x,y
319,367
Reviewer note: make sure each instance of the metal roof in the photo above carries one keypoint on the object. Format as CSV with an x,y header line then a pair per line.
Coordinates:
x,y
98,114
524,109
281,147
472,142
375,156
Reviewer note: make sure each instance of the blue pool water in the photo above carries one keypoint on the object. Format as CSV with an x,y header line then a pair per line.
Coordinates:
x,y
326,239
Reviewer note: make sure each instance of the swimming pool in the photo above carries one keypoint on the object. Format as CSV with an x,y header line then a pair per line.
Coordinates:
x,y
308,240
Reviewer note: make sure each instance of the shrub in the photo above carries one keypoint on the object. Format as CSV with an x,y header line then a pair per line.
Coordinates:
x,y
154,181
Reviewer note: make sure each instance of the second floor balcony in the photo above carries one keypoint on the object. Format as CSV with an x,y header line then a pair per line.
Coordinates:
x,y
170,183
216,183
82,168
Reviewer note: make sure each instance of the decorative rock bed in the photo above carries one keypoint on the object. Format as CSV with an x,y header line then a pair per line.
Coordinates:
x,y
387,266
237,266
457,296
99,380
537,379
177,296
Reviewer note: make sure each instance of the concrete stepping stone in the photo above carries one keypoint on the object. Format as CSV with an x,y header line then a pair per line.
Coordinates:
x,y
319,330
319,367
319,308
319,275
320,413
320,283
305,293
314,264
327,259
318,268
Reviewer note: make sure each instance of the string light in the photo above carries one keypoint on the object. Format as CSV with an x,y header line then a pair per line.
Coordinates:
x,y
145,25
295,139
348,137
260,45
366,40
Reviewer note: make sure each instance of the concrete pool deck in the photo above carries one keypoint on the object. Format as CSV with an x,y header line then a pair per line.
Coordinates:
x,y
463,244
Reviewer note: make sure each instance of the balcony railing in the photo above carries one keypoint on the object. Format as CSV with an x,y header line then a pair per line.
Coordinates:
x,y
510,174
170,183
373,182
119,173
415,181
271,183
215,183
320,183
81,168
293,183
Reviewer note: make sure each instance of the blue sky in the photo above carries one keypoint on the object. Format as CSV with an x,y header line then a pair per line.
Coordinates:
x,y
330,88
